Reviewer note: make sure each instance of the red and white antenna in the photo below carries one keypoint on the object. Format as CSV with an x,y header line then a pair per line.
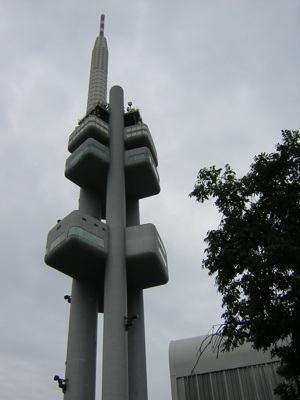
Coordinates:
x,y
102,25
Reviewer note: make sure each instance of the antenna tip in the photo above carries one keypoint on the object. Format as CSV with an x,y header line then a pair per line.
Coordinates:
x,y
102,25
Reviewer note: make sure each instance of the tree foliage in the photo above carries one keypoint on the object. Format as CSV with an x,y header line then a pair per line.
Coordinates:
x,y
255,253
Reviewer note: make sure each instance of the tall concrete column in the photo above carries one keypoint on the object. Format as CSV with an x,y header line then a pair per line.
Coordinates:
x,y
115,351
137,348
82,342
83,323
90,203
136,335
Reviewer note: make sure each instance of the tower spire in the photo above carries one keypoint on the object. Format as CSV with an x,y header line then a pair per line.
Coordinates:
x,y
98,72
102,20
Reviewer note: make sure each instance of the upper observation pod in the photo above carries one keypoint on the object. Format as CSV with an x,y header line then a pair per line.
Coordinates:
x,y
98,74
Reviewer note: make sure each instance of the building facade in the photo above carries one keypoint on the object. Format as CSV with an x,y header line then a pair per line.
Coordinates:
x,y
242,374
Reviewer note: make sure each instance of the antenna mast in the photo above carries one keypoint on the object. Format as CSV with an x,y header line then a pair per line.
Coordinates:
x,y
102,25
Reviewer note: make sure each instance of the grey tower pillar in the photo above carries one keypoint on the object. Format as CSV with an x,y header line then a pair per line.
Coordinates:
x,y
136,337
83,323
115,352
82,342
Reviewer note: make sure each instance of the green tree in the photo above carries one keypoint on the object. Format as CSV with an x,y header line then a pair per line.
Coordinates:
x,y
255,254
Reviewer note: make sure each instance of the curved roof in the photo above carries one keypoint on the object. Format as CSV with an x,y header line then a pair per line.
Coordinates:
x,y
184,357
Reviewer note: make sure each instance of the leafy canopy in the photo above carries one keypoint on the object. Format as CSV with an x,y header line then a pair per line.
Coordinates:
x,y
255,252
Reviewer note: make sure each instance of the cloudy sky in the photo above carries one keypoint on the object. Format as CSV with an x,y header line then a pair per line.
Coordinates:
x,y
215,80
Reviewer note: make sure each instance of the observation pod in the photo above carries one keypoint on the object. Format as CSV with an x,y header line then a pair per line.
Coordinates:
x,y
146,257
142,179
139,136
77,246
87,166
94,125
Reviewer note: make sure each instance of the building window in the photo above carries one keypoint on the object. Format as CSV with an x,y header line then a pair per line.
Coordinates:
x,y
76,231
57,241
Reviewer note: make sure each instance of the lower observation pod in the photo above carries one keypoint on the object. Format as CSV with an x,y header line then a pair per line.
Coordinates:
x,y
142,179
146,257
77,246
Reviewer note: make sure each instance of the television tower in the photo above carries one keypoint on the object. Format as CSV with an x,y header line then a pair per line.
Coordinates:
x,y
111,257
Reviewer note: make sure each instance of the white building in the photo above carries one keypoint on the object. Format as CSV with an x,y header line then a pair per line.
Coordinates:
x,y
242,374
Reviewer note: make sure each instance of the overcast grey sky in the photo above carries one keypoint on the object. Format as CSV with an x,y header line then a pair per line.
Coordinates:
x,y
215,80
